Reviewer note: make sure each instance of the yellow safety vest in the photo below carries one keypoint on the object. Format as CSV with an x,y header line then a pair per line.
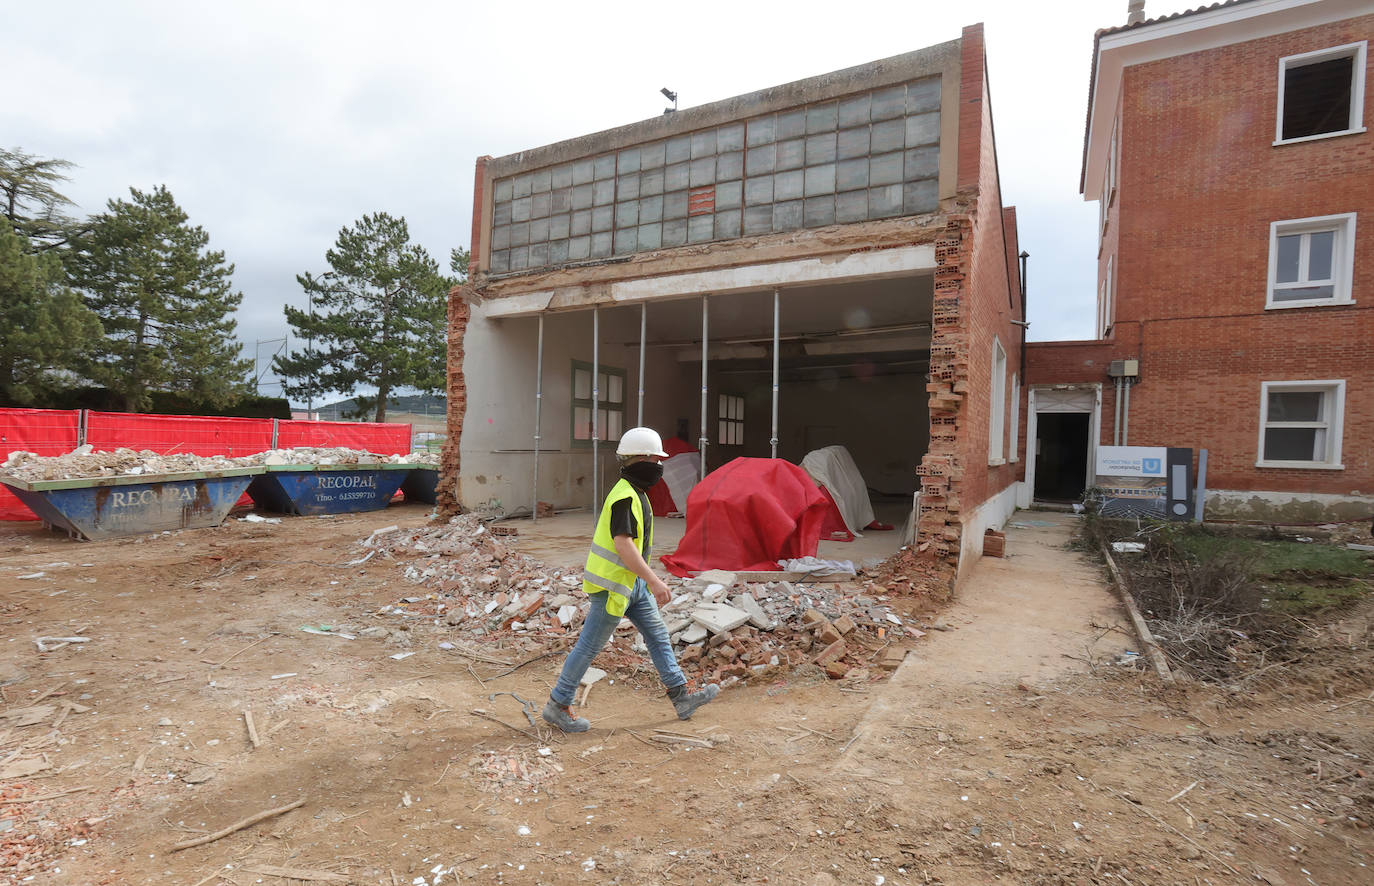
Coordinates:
x,y
605,571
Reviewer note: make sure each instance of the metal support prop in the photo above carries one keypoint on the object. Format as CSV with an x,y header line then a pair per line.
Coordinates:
x,y
274,433
643,334
705,334
538,404
596,408
773,442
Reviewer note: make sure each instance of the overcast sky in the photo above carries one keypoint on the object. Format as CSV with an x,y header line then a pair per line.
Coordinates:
x,y
276,124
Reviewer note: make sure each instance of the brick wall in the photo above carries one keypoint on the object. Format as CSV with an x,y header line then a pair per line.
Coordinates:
x,y
1200,181
976,298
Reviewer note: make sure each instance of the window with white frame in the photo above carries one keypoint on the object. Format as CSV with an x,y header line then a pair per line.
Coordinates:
x,y
997,406
1015,417
731,420
1300,424
1109,177
610,403
1106,298
1311,261
1321,93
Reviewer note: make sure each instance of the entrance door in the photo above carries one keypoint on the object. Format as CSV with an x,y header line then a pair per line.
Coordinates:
x,y
1061,456
1062,430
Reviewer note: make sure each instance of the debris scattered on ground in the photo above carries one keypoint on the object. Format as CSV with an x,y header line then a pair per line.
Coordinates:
x,y
724,630
84,462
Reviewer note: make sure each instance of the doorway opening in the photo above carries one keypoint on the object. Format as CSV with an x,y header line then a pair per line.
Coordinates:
x,y
1061,450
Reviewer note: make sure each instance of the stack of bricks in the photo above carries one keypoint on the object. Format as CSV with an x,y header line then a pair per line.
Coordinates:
x,y
939,530
446,498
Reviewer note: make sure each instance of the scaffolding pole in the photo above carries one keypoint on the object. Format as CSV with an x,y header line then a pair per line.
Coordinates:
x,y
777,314
705,334
596,408
538,404
643,331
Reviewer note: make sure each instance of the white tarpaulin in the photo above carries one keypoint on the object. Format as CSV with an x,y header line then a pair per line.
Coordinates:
x,y
833,467
681,473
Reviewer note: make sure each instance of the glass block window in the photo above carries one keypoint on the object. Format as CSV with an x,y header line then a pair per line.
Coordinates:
x,y
866,156
610,403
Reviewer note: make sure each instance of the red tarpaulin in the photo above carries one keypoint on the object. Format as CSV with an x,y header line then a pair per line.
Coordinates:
x,y
749,514
382,439
40,431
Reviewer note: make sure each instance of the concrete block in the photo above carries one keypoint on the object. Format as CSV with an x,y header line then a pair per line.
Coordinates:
x,y
885,170
603,192
757,617
827,633
851,175
730,137
675,205
651,182
652,156
702,172
628,161
791,154
922,163
694,633
888,103
822,118
603,167
885,201
675,232
566,613
627,187
760,160
922,196
853,206
730,166
713,577
627,214
601,245
520,186
923,129
700,229
520,209
603,218
703,143
791,124
582,171
788,185
592,676
560,176
719,617
650,210
626,241
844,624
729,195
678,149
923,95
819,211
650,236
759,219
728,224
539,255
539,205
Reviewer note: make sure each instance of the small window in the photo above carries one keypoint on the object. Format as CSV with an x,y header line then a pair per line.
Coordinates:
x,y
997,405
1106,300
609,399
731,420
1300,424
1311,261
1321,94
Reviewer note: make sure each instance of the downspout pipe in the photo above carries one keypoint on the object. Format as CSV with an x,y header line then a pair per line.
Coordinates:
x,y
1023,256
1126,414
538,405
1116,422
705,334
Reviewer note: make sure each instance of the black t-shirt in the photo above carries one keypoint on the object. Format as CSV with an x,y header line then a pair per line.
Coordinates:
x,y
623,520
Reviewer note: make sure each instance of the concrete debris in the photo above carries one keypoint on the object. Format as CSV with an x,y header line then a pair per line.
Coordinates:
x,y
476,589
83,462
718,617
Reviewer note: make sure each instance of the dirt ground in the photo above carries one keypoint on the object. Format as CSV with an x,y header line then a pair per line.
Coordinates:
x,y
1008,747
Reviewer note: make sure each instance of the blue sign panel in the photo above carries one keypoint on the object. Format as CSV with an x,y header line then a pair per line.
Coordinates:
x,y
311,490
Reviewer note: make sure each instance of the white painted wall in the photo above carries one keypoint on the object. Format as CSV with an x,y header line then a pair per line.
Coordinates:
x,y
991,514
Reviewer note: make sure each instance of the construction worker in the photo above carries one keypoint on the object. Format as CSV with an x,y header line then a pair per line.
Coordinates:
x,y
620,582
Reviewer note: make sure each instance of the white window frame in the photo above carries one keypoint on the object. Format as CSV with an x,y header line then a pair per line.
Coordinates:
x,y
1106,298
1334,422
1109,178
1358,52
997,405
1013,455
1342,259
730,419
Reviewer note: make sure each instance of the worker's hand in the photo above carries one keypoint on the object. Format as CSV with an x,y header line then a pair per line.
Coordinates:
x,y
661,592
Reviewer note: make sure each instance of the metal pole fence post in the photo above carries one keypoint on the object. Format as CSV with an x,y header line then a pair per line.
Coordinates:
x,y
703,440
538,404
777,314
596,407
643,330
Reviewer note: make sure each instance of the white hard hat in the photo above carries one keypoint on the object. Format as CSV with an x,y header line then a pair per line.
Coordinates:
x,y
641,441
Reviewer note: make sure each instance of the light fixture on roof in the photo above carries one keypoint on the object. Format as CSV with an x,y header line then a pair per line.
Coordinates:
x,y
670,96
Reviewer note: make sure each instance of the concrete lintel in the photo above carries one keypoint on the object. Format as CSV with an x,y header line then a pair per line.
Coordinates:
x,y
875,265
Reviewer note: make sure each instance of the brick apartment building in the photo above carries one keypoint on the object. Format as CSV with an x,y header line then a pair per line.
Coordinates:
x,y
840,240
1228,151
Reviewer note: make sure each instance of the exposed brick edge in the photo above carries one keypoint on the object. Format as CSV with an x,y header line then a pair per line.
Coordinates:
x,y
941,471
450,461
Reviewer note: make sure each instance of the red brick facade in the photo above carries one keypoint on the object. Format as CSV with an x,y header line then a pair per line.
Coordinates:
x,y
1187,239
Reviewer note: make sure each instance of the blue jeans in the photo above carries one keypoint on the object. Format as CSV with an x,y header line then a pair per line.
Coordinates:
x,y
596,632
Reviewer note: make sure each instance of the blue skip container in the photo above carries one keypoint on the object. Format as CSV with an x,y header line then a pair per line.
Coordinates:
x,y
109,507
311,490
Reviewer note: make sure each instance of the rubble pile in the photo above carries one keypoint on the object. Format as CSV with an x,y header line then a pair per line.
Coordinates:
x,y
85,463
723,630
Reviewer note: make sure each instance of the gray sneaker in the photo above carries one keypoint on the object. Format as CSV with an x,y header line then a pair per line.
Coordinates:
x,y
687,703
558,715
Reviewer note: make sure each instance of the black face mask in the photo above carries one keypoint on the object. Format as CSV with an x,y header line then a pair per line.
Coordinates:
x,y
643,474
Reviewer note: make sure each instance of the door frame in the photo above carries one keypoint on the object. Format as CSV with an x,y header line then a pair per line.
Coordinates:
x,y
1032,426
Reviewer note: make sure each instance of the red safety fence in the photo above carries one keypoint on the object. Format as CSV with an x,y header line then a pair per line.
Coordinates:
x,y
40,431
382,439
173,434
57,431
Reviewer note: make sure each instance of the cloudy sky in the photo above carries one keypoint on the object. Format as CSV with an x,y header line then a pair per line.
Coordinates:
x,y
276,124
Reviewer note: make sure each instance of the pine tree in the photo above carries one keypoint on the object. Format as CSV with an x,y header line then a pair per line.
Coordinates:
x,y
45,330
31,201
376,318
165,301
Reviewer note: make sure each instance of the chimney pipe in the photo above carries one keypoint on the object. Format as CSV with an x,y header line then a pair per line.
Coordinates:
x,y
1135,12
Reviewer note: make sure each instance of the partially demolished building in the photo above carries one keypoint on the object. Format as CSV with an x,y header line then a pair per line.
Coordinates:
x,y
823,262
